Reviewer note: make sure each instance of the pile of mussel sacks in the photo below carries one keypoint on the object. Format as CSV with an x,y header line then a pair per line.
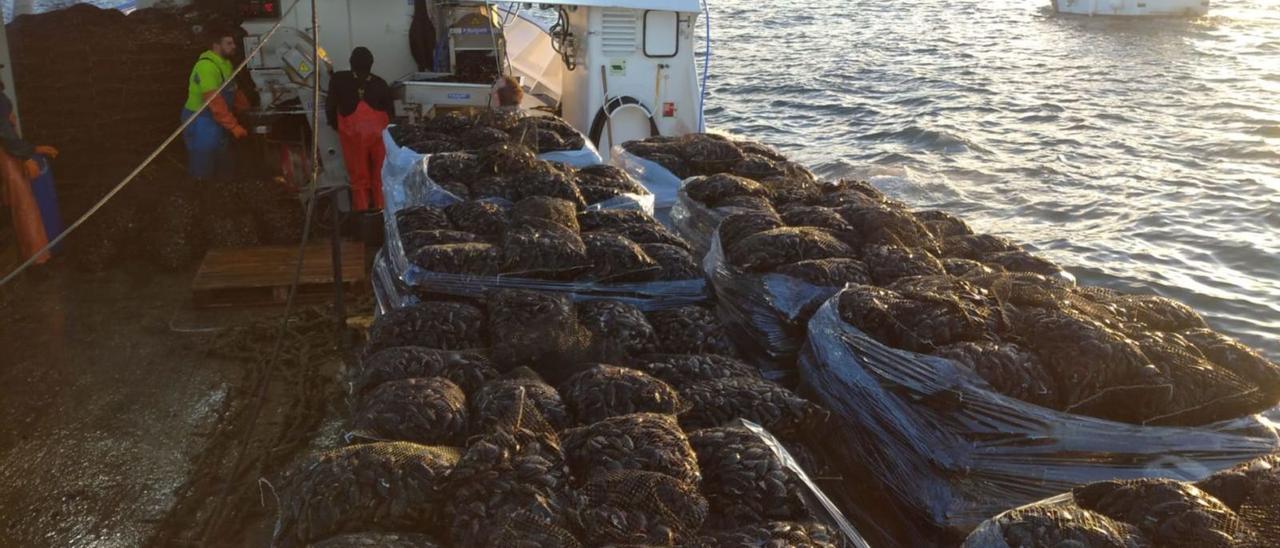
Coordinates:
x,y
528,419
789,362
548,371
965,374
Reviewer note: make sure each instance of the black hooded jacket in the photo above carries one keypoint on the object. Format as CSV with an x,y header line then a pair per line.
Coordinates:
x,y
347,88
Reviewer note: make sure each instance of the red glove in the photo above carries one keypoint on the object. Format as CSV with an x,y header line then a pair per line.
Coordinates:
x,y
31,169
239,132
47,151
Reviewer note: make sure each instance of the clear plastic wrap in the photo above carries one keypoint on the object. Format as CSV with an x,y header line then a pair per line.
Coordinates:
x,y
406,183
820,507
387,290
765,313
583,157
659,180
697,223
951,452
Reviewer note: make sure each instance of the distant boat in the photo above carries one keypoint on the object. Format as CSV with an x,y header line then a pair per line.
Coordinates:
x,y
1191,8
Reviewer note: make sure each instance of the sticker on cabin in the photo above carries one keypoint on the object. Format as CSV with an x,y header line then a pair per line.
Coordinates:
x,y
618,67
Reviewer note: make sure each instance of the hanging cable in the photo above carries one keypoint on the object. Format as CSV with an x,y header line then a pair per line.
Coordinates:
x,y
150,158
562,40
503,62
706,69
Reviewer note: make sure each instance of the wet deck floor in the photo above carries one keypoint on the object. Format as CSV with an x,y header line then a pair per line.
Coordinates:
x,y
102,404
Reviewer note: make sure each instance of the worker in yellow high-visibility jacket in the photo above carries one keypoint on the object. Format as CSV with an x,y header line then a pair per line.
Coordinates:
x,y
208,137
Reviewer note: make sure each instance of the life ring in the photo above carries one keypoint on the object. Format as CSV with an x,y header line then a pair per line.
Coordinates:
x,y
605,112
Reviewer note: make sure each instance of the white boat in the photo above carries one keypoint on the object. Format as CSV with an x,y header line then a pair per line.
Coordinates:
x,y
616,70
1133,8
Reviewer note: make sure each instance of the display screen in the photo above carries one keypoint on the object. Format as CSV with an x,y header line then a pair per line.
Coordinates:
x,y
260,9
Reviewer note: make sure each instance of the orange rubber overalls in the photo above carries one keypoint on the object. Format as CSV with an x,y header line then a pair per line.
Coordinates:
x,y
361,136
22,204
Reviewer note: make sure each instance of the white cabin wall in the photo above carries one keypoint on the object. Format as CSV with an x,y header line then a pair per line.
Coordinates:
x,y
380,25
583,88
7,75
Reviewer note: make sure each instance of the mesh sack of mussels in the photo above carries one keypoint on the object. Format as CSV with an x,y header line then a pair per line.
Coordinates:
x,y
429,411
606,391
496,404
511,171
1252,491
640,508
691,330
512,486
683,370
777,276
662,162
617,330
1022,383
529,327
468,370
1142,512
441,325
395,486
772,534
642,441
721,401
743,480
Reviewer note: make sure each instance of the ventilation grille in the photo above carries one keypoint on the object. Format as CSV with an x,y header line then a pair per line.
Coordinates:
x,y
619,31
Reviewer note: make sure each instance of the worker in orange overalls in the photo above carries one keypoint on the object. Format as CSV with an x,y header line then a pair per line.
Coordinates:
x,y
17,169
359,106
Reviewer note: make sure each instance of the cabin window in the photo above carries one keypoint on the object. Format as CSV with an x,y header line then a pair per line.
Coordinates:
x,y
661,34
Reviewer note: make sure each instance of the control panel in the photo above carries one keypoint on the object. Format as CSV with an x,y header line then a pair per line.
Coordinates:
x,y
260,9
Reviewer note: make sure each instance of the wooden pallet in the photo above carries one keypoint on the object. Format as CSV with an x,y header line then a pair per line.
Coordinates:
x,y
253,276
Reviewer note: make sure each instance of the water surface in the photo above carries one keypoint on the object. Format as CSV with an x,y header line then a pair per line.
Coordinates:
x,y
1141,154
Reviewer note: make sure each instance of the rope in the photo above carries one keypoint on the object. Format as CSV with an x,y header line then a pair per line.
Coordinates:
x,y
150,158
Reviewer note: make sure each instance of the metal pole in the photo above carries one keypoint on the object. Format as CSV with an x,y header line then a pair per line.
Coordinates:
x,y
339,298
608,118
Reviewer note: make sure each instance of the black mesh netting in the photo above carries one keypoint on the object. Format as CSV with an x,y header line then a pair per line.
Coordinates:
x,y
638,507
682,370
718,402
606,391
494,403
466,369
743,480
775,533
511,486
530,327
617,329
393,486
642,441
442,325
1252,491
429,411
691,330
